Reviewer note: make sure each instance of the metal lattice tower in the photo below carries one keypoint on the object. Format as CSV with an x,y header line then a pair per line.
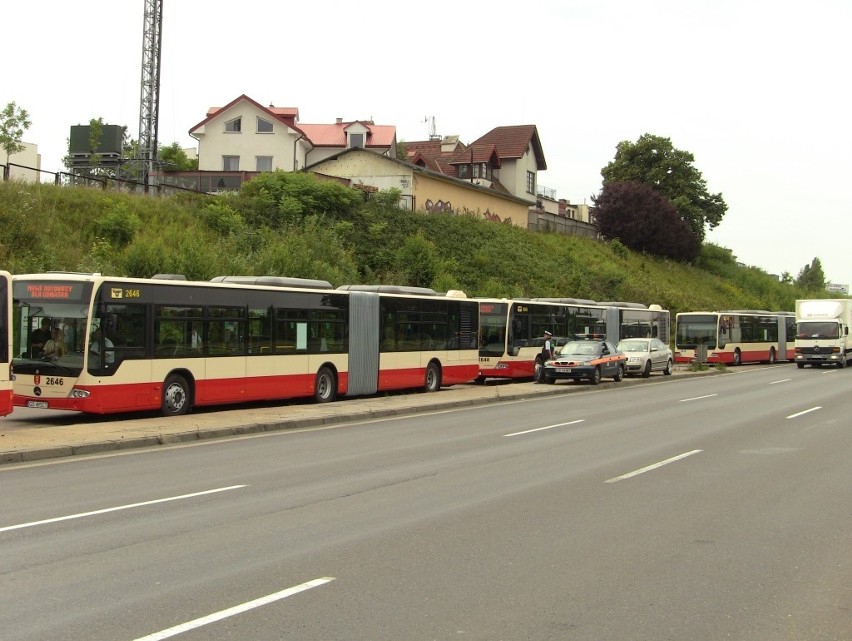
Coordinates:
x,y
149,104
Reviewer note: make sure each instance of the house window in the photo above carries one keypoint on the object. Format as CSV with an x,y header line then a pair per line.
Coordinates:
x,y
356,140
530,182
463,171
264,126
230,163
264,163
235,125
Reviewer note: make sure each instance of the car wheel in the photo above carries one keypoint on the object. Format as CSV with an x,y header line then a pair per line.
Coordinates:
x,y
537,373
647,371
549,380
800,365
596,376
175,396
669,367
619,373
325,387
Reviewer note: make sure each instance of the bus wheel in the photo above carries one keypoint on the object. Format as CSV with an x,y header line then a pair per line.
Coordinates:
x,y
738,358
325,388
175,396
433,378
772,356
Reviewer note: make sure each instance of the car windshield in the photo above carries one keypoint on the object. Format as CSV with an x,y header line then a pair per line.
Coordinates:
x,y
579,347
633,346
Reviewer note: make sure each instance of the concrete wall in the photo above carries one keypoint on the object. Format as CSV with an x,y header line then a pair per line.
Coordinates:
x,y
27,157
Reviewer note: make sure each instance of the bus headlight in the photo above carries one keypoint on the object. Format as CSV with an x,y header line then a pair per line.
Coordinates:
x,y
80,393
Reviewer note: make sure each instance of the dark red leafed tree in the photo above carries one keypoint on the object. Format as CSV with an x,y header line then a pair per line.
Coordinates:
x,y
644,220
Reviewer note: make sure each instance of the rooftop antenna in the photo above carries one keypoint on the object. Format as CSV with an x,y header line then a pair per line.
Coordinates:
x,y
433,132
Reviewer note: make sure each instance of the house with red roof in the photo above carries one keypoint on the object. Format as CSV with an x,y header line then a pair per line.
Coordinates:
x,y
245,136
505,159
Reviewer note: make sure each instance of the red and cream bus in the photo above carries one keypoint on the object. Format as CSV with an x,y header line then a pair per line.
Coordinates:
x,y
171,344
511,330
735,336
5,343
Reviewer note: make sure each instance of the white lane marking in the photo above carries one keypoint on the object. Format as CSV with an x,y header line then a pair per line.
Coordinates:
x,y
237,609
653,467
118,508
696,398
783,380
546,427
813,409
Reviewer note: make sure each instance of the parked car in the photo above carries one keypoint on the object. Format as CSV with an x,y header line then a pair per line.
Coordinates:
x,y
646,355
555,343
592,360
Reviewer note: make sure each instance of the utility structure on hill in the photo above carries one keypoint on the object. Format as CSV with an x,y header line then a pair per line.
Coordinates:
x,y
149,104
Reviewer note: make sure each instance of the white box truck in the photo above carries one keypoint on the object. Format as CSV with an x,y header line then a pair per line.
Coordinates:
x,y
822,332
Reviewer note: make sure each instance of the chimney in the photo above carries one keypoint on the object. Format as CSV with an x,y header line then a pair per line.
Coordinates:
x,y
340,121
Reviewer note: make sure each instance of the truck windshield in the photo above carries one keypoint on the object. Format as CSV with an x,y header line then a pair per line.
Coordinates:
x,y
817,329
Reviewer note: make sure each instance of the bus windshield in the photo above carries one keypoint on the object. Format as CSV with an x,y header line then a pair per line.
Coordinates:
x,y
50,328
817,329
696,329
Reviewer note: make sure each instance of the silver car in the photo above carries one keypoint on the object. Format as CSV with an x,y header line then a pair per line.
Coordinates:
x,y
646,355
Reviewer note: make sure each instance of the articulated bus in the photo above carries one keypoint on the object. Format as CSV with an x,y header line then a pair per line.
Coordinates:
x,y
5,343
511,330
170,344
736,336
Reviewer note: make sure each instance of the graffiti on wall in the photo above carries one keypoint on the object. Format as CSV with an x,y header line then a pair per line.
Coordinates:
x,y
447,207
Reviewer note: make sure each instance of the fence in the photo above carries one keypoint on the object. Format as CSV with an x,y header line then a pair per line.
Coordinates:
x,y
157,186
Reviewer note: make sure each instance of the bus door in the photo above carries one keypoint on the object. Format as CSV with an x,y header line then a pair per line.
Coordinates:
x,y
5,343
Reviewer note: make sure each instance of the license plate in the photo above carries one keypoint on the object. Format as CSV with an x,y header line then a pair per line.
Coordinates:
x,y
563,370
42,405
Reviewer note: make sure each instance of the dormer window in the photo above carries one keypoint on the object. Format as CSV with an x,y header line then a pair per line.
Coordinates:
x,y
264,126
482,170
234,126
356,141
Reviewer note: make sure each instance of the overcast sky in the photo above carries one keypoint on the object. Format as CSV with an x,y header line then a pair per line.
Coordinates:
x,y
758,91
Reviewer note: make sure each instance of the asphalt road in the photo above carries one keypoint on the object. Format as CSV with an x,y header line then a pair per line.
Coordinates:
x,y
711,508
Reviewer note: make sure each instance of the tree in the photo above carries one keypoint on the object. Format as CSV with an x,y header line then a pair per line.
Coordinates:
x,y
654,161
811,277
14,121
644,220
173,158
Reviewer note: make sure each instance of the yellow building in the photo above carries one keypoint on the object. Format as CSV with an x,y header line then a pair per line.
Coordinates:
x,y
422,189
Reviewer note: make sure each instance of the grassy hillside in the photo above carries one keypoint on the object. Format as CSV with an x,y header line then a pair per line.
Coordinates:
x,y
333,237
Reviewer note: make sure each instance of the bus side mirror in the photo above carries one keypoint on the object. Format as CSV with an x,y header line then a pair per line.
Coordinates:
x,y
513,351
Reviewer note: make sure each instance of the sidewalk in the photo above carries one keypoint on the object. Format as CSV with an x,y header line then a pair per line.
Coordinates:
x,y
79,434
